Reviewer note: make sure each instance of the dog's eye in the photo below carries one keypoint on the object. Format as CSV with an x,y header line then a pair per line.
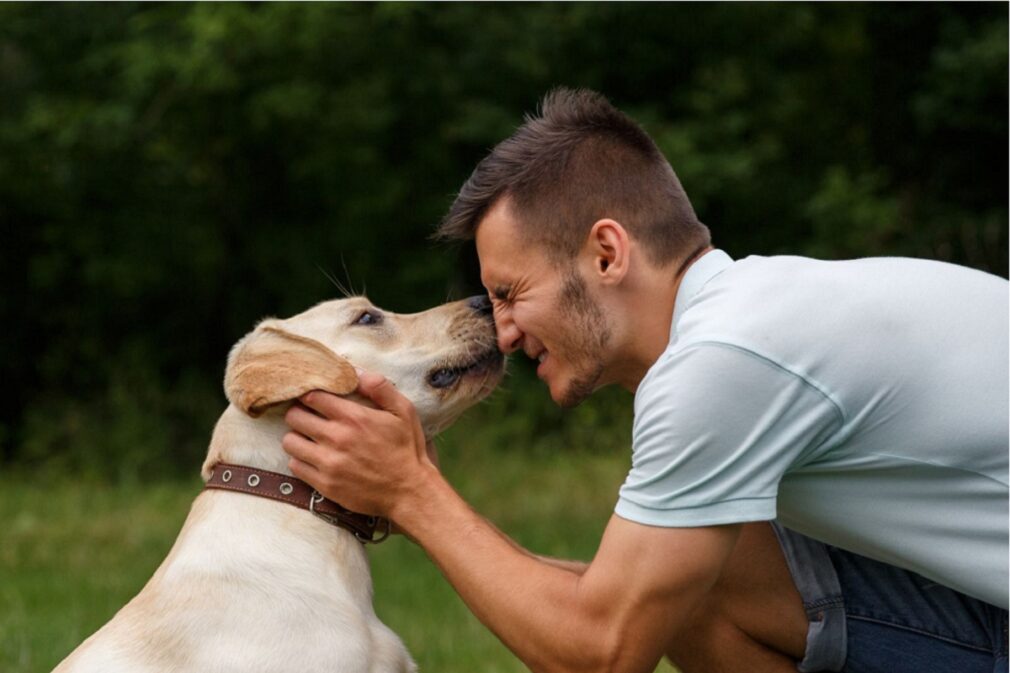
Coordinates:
x,y
368,318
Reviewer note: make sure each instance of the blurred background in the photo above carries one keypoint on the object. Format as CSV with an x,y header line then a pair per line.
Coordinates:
x,y
171,173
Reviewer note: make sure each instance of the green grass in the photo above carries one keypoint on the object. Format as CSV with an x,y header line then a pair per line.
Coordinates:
x,y
72,553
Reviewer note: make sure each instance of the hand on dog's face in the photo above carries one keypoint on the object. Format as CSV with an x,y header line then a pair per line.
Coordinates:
x,y
368,459
363,441
303,445
443,360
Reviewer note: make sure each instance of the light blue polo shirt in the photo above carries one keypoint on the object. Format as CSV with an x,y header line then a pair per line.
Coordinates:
x,y
863,403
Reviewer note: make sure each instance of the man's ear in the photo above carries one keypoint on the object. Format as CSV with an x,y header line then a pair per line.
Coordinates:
x,y
271,366
608,246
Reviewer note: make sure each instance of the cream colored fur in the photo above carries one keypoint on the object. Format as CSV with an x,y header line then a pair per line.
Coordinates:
x,y
256,586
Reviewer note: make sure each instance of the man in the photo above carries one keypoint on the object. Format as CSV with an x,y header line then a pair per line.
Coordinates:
x,y
862,404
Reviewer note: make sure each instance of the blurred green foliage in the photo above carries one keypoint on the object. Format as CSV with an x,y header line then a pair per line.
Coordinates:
x,y
170,173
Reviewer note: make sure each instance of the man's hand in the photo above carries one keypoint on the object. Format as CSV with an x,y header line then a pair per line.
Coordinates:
x,y
368,460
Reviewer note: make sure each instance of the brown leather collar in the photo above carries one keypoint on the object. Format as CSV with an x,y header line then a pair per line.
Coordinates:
x,y
295,492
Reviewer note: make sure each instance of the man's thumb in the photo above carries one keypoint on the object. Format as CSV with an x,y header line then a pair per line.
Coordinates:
x,y
381,390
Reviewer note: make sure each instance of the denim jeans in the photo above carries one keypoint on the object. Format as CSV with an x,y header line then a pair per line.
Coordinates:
x,y
871,617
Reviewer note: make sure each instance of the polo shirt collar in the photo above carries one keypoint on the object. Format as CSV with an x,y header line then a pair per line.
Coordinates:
x,y
700,272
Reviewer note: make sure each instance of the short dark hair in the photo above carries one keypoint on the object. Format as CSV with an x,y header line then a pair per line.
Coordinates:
x,y
579,161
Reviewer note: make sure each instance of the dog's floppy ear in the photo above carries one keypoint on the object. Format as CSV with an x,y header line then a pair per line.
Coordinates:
x,y
271,366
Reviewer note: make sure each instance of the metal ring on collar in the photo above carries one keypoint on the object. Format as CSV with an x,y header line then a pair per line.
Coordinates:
x,y
385,533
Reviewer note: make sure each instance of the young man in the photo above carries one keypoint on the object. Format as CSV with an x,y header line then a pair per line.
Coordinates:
x,y
862,404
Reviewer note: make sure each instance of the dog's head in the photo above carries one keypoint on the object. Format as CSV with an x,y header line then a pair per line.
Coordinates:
x,y
444,359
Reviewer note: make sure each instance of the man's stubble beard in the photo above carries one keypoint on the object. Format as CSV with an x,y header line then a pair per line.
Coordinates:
x,y
586,340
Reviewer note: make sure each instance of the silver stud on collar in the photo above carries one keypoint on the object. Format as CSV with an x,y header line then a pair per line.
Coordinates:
x,y
286,488
253,480
226,476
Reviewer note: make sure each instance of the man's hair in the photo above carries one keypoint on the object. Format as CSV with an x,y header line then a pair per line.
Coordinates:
x,y
580,161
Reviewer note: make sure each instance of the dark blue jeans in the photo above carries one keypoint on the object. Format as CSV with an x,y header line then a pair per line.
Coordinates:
x,y
871,617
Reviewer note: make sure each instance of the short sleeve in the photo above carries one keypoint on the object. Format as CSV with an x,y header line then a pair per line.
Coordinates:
x,y
716,427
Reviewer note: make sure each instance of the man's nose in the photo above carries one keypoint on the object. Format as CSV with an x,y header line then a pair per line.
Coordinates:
x,y
509,340
509,336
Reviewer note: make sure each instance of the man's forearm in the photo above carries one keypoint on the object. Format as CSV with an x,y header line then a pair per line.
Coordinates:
x,y
572,566
531,603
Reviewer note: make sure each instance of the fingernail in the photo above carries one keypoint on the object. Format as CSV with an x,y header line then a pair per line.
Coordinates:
x,y
359,371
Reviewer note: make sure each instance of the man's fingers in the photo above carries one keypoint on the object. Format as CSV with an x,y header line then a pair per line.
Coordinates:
x,y
306,472
303,449
381,390
305,422
375,387
326,404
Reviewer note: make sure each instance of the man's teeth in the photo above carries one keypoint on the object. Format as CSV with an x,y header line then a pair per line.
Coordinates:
x,y
540,358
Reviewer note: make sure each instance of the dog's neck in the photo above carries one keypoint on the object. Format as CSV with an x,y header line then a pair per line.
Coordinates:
x,y
255,442
240,439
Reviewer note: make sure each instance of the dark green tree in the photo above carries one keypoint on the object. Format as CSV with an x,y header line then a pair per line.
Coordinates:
x,y
171,173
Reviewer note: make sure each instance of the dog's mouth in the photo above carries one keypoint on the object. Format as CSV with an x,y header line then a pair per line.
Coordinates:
x,y
447,376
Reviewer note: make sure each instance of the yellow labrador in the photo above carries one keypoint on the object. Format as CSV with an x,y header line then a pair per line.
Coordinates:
x,y
253,585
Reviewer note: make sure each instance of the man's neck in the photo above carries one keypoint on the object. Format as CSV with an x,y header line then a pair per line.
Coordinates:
x,y
650,318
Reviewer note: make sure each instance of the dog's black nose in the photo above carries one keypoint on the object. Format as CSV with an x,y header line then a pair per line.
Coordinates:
x,y
481,304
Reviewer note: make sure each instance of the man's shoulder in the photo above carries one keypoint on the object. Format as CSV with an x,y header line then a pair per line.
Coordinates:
x,y
776,305
846,275
700,371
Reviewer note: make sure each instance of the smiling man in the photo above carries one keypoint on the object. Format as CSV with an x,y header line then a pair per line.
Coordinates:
x,y
819,451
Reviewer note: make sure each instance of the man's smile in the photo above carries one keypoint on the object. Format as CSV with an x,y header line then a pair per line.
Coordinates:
x,y
542,366
538,352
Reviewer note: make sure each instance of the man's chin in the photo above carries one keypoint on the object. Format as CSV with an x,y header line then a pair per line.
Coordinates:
x,y
576,390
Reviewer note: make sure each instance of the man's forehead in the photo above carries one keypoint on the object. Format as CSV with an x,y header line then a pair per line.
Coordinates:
x,y
496,239
492,276
497,226
499,270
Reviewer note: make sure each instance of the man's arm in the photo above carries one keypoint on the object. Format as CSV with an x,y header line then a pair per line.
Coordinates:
x,y
572,566
616,616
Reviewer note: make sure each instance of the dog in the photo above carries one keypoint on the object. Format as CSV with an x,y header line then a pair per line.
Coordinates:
x,y
253,585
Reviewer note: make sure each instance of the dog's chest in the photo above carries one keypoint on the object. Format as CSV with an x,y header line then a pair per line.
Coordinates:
x,y
250,589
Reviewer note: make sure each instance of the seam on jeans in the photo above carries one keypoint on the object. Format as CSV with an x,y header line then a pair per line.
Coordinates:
x,y
835,601
921,632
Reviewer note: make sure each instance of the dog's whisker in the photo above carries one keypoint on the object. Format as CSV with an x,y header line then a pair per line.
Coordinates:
x,y
347,275
336,283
